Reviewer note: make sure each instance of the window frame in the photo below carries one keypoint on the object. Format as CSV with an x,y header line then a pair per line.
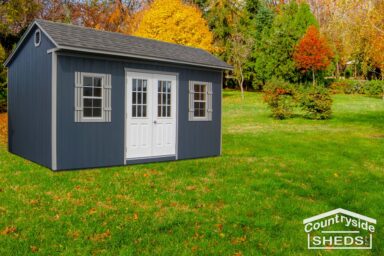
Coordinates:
x,y
207,101
37,44
87,118
142,104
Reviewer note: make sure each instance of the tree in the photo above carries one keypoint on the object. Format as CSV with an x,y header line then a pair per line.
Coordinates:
x,y
260,29
241,47
175,22
278,42
312,52
15,15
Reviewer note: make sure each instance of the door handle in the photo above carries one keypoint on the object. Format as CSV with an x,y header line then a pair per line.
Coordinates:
x,y
155,122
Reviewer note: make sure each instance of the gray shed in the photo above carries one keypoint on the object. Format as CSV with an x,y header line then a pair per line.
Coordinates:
x,y
82,98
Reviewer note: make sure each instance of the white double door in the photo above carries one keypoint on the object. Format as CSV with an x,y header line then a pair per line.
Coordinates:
x,y
151,115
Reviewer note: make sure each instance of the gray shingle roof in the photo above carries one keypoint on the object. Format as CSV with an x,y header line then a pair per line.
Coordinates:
x,y
81,38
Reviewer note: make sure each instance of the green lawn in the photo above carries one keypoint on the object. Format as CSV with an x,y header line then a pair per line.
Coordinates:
x,y
251,200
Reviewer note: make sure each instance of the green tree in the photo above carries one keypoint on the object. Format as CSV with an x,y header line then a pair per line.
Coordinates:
x,y
222,16
274,57
259,28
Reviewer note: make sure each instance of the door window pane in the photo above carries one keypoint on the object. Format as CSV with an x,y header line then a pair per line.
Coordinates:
x,y
164,98
139,97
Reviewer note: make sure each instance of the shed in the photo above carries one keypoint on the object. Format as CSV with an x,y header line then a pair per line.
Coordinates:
x,y
84,98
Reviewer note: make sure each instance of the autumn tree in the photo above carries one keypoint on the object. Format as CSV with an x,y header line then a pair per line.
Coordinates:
x,y
175,22
312,52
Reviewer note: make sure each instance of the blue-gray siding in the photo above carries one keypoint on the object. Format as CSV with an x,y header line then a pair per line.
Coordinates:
x,y
82,145
29,101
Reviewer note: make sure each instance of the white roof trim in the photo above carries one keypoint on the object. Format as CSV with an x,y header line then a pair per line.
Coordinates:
x,y
339,210
10,57
140,57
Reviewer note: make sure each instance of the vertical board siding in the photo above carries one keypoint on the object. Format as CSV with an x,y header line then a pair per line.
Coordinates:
x,y
29,101
83,145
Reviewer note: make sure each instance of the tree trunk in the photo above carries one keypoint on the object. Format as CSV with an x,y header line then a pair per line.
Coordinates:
x,y
337,70
241,86
313,78
241,81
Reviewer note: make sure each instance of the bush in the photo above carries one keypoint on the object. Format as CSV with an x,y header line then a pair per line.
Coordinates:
x,y
338,86
374,88
281,98
317,103
348,86
354,87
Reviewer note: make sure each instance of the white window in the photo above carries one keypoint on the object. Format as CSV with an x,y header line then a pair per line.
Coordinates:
x,y
200,101
92,97
37,38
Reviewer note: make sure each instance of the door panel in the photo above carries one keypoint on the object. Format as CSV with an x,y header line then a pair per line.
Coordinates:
x,y
164,132
151,115
139,116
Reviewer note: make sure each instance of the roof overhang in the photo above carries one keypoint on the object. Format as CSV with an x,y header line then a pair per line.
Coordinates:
x,y
86,50
142,57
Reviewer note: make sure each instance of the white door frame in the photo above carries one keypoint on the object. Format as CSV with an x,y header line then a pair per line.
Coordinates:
x,y
152,72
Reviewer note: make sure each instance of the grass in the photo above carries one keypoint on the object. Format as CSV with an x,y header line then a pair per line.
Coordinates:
x,y
250,201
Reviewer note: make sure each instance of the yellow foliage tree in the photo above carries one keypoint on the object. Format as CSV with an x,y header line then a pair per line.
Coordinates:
x,y
175,22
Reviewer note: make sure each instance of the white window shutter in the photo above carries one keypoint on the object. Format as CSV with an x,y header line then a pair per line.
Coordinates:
x,y
191,100
107,98
78,97
209,101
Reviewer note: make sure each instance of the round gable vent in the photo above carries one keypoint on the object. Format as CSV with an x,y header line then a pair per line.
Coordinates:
x,y
37,37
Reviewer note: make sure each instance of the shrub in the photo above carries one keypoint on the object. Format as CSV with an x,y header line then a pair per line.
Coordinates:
x,y
317,103
348,86
281,98
374,88
354,87
338,86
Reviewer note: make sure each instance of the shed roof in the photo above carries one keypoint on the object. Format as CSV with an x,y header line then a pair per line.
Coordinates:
x,y
71,37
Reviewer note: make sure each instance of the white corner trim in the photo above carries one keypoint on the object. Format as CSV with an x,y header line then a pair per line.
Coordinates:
x,y
54,111
221,112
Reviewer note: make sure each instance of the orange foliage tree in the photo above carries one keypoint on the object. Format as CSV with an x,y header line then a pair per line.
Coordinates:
x,y
312,52
175,22
112,16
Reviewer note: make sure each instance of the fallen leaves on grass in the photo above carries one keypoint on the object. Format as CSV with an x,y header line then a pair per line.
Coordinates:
x,y
239,240
3,128
34,248
190,188
101,236
135,216
34,202
92,211
74,234
8,230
